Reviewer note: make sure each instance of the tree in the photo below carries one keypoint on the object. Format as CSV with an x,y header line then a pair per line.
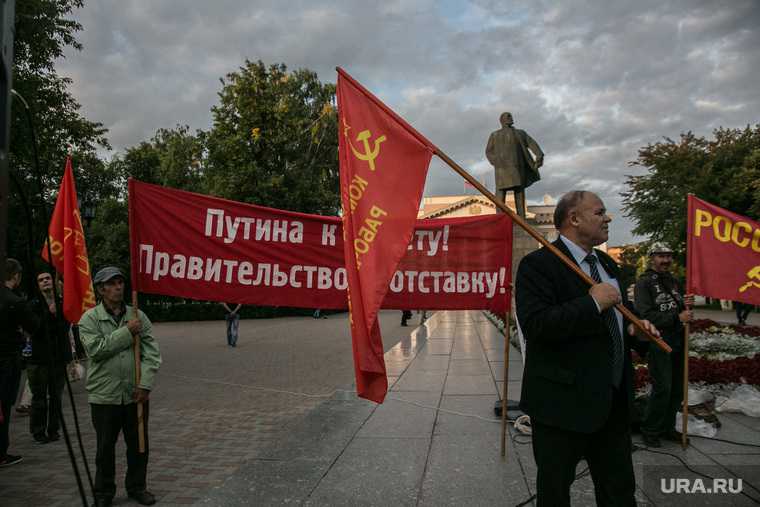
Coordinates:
x,y
173,158
42,34
274,140
724,171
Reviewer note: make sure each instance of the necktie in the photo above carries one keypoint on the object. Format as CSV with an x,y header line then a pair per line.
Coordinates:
x,y
610,320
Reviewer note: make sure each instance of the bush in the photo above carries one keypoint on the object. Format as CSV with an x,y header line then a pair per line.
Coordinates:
x,y
194,311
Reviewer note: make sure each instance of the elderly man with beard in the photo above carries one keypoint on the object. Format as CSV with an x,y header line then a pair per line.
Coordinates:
x,y
109,332
658,299
578,379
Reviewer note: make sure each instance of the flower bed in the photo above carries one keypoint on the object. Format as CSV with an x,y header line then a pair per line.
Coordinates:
x,y
718,354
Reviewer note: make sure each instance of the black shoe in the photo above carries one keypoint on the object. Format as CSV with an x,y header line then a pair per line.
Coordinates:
x,y
40,438
651,441
52,437
102,502
10,459
143,497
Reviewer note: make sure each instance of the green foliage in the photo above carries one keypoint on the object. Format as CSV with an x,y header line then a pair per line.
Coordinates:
x,y
173,158
724,171
274,140
180,310
108,236
42,34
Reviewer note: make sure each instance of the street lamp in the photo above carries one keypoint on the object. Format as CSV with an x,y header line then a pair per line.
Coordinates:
x,y
87,209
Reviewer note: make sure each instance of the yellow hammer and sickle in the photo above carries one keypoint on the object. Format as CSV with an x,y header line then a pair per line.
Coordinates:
x,y
753,273
370,154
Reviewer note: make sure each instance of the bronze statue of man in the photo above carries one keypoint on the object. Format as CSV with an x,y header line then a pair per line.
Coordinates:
x,y
516,158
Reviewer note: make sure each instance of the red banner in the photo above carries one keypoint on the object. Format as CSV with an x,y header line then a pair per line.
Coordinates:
x,y
383,165
67,245
723,253
200,247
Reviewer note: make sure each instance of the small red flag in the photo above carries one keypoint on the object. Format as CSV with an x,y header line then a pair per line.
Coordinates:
x,y
383,165
723,253
67,245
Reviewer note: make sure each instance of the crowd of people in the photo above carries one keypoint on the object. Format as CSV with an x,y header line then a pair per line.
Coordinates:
x,y
577,354
37,339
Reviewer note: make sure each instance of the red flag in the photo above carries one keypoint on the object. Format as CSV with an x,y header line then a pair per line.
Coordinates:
x,y
723,253
67,245
383,165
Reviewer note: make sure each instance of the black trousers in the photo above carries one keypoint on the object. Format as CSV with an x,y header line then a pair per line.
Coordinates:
x,y
607,452
46,384
109,421
10,376
666,373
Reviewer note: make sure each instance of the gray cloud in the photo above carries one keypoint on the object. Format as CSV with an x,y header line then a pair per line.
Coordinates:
x,y
592,81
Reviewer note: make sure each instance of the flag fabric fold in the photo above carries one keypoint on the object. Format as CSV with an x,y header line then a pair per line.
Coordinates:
x,y
383,166
67,245
723,253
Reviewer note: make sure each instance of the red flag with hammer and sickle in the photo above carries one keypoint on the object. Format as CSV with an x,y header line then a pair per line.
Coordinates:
x,y
383,165
723,253
67,245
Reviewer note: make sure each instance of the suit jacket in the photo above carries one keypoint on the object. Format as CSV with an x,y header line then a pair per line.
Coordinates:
x,y
566,380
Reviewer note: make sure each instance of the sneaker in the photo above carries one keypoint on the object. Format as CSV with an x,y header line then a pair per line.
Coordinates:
x,y
9,460
52,437
41,439
651,441
143,497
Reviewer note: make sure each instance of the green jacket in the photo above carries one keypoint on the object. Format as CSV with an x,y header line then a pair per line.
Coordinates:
x,y
111,372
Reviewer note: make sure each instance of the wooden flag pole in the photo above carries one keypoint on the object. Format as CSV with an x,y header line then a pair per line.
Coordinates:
x,y
140,418
685,406
538,237
506,383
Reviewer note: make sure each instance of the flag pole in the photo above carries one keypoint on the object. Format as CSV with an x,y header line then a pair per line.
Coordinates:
x,y
503,207
140,418
506,384
546,244
685,406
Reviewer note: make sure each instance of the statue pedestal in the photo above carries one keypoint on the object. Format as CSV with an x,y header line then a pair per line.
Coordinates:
x,y
522,244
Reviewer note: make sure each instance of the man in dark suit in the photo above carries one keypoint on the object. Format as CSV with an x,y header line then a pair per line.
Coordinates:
x,y
577,382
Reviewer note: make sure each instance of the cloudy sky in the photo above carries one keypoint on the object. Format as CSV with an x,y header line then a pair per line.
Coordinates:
x,y
592,81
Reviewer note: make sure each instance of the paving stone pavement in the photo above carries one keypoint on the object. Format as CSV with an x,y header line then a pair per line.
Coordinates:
x,y
435,440
212,408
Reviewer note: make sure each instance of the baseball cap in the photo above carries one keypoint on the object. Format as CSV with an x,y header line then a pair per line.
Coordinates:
x,y
106,274
659,248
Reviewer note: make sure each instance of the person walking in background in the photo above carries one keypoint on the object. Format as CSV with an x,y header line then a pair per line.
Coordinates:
x,y
405,315
233,322
46,368
742,312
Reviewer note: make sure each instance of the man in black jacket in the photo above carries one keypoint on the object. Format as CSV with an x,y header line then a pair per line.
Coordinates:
x,y
658,299
577,382
14,316
46,369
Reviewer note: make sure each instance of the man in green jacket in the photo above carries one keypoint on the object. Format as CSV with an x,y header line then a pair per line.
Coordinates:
x,y
108,332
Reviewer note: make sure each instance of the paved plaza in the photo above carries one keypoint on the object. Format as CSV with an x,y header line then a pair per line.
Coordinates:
x,y
275,422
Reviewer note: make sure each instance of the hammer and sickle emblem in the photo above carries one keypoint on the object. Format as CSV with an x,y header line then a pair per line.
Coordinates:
x,y
754,279
370,154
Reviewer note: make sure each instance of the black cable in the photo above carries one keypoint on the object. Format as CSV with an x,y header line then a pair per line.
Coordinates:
x,y
59,309
746,444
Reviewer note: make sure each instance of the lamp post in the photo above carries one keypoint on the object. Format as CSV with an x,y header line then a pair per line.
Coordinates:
x,y
87,208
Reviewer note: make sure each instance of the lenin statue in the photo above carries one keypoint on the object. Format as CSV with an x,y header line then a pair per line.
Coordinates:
x,y
516,158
